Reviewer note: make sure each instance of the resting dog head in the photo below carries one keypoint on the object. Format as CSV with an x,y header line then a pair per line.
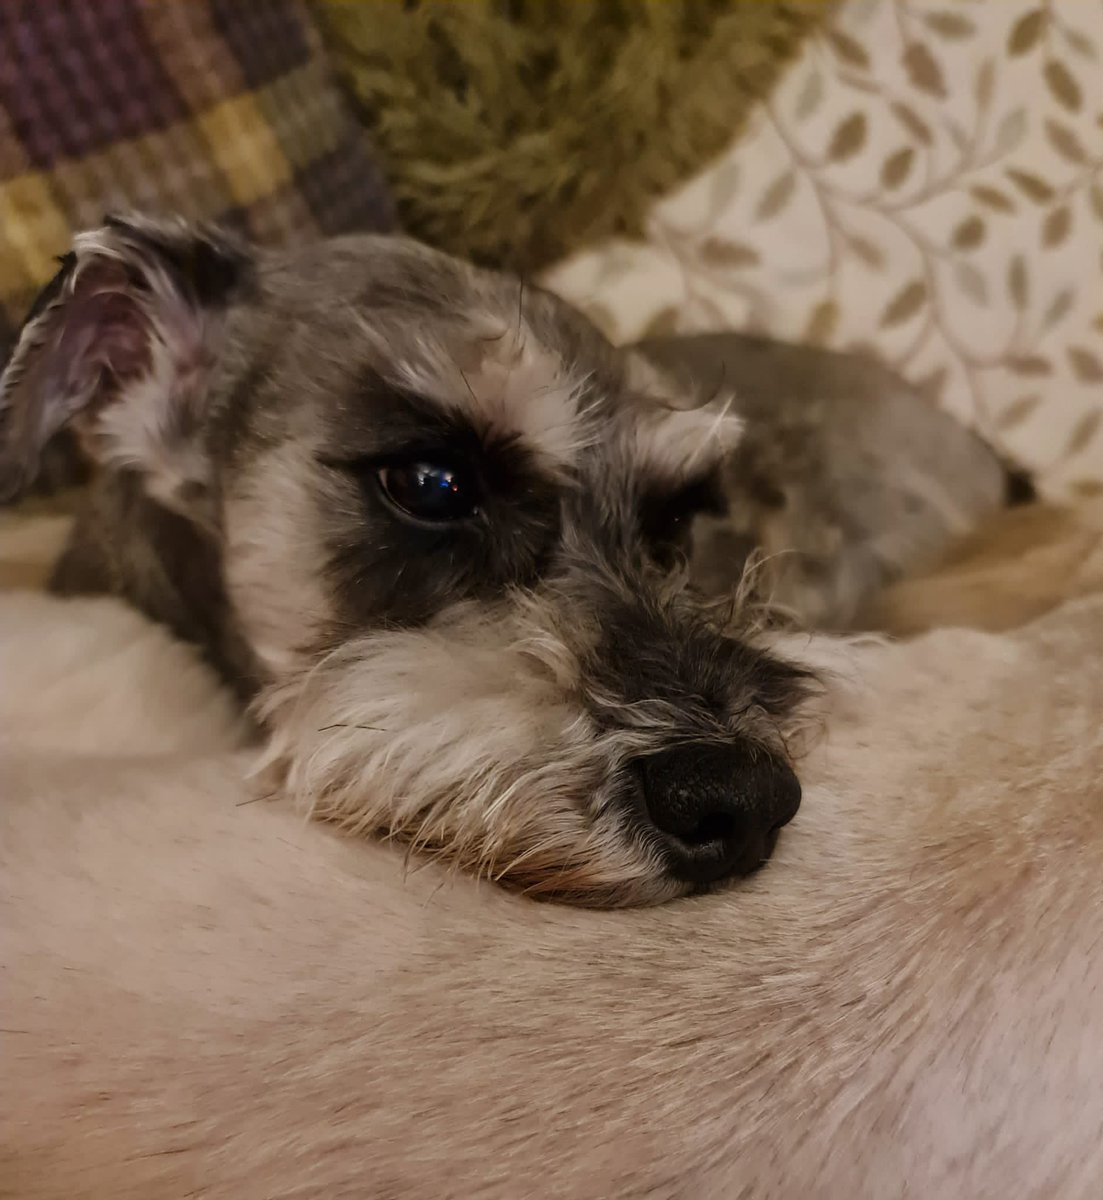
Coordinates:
x,y
431,521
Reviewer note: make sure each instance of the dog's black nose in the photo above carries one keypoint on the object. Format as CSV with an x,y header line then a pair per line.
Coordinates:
x,y
717,809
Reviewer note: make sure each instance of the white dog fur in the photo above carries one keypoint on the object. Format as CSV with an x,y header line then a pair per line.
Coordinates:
x,y
208,997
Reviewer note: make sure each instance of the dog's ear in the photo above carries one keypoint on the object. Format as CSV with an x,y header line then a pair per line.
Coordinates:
x,y
119,347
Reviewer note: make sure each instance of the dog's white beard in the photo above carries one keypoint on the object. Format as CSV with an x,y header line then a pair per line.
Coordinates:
x,y
461,741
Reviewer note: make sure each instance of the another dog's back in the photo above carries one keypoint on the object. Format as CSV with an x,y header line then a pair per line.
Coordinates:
x,y
206,996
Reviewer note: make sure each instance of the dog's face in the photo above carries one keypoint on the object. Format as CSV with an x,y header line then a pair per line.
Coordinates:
x,y
447,519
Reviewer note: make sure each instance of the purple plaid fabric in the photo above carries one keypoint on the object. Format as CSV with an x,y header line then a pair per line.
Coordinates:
x,y
216,109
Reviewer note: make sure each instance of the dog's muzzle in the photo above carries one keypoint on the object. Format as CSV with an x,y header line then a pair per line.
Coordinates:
x,y
715,811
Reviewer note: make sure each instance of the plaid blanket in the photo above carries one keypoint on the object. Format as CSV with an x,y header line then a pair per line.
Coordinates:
x,y
220,109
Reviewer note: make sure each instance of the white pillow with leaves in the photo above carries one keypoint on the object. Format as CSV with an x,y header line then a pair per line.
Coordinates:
x,y
926,182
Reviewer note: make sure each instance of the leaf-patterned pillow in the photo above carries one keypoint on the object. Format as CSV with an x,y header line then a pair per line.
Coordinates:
x,y
925,183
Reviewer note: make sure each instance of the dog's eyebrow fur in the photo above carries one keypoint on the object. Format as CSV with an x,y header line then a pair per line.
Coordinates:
x,y
388,420
504,386
381,416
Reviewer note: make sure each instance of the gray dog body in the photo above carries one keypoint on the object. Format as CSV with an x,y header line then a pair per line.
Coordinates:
x,y
845,478
432,525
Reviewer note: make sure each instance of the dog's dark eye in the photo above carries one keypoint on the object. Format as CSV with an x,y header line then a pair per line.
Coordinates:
x,y
666,518
432,492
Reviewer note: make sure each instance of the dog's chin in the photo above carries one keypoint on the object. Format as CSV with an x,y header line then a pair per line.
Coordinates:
x,y
587,884
582,884
581,892
556,861
545,842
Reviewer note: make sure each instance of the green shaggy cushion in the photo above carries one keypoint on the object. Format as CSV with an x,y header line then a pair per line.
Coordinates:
x,y
515,132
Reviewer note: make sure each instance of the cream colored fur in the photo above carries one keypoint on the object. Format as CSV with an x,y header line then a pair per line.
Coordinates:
x,y
1014,570
204,996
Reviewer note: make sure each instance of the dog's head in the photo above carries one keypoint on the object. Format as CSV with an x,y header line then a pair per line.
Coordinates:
x,y
446,518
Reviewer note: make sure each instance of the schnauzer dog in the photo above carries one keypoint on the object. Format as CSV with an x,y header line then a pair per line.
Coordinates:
x,y
434,528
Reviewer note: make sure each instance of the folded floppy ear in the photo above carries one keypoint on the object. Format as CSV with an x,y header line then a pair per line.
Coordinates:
x,y
119,347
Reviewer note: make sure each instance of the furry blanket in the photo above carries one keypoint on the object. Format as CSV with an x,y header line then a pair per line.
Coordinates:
x,y
515,133
204,996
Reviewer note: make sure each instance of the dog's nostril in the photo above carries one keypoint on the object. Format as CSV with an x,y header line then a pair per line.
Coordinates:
x,y
713,827
717,809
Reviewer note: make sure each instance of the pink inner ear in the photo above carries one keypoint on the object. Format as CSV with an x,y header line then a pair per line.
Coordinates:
x,y
117,350
105,339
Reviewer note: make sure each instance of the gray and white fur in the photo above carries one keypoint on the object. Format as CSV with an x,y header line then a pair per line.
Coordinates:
x,y
434,529
846,479
521,683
